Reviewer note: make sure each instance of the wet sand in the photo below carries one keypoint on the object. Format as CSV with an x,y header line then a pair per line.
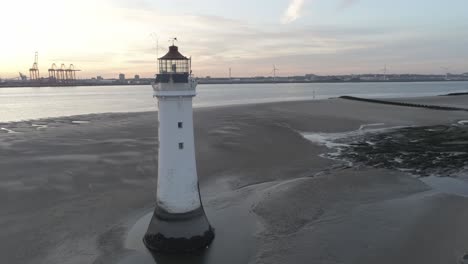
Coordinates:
x,y
77,189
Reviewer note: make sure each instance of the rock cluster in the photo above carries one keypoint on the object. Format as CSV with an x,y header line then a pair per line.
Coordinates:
x,y
423,151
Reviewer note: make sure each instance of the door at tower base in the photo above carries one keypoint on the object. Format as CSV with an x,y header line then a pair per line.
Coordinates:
x,y
178,233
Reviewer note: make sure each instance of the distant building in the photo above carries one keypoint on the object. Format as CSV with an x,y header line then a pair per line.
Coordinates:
x,y
122,78
136,80
99,78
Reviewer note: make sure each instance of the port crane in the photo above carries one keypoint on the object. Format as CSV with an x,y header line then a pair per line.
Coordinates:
x,y
34,70
70,73
21,77
53,72
62,74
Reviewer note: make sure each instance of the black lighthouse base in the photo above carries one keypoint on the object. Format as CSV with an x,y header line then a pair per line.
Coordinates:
x,y
178,233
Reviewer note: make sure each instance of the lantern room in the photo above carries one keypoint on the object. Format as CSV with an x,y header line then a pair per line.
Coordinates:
x,y
174,62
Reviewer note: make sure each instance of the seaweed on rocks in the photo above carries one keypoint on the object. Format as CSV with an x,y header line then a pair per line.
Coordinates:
x,y
424,151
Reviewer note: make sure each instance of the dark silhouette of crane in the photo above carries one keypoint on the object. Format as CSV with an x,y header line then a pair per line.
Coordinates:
x,y
22,77
53,73
62,74
70,73
34,71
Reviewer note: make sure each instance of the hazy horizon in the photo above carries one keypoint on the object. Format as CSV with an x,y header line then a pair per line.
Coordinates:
x,y
298,36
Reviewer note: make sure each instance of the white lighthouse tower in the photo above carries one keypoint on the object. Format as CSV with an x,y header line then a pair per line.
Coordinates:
x,y
179,223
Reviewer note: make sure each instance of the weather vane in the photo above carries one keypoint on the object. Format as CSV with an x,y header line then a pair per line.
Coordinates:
x,y
173,40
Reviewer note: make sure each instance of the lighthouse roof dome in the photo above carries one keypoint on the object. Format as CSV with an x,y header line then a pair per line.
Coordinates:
x,y
173,54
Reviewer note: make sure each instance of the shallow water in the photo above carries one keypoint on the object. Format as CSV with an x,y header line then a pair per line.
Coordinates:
x,y
33,103
430,150
336,141
229,212
447,185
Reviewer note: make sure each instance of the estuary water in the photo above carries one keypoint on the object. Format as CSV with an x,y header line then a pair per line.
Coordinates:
x,y
32,103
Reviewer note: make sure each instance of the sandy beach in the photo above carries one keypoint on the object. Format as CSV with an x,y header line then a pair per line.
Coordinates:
x,y
79,189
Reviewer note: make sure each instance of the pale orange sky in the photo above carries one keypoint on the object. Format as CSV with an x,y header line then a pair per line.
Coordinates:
x,y
298,36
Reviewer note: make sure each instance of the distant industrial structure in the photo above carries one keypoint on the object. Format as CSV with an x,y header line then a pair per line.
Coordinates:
x,y
122,78
66,76
63,74
34,70
274,72
313,78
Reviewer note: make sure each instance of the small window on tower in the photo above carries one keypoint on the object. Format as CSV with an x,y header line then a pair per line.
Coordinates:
x,y
181,145
180,125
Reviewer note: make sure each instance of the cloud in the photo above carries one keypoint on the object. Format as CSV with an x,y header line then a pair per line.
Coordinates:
x,y
293,12
116,39
347,3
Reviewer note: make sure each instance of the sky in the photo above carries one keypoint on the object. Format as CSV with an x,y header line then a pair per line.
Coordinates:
x,y
326,37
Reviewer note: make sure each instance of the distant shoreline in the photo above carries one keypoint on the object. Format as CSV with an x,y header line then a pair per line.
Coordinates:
x,y
331,81
29,85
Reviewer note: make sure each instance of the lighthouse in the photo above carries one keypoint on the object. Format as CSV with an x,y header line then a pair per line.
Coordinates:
x,y
179,223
